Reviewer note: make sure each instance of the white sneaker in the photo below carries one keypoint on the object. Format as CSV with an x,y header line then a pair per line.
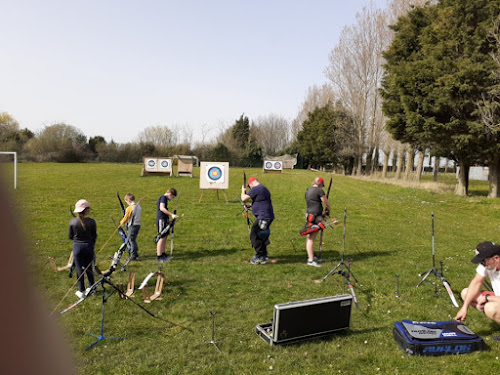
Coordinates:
x,y
87,291
313,263
80,294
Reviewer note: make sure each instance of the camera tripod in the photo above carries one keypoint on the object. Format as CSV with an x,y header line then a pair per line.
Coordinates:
x,y
437,273
339,268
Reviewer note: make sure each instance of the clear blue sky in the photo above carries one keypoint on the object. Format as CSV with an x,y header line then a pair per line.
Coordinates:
x,y
114,67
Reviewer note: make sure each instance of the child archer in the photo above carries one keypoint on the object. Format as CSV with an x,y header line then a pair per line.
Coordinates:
x,y
132,218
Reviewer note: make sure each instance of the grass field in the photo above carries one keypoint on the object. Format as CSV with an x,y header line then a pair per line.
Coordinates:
x,y
388,232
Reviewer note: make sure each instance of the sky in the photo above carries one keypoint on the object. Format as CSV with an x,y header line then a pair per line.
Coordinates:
x,y
114,67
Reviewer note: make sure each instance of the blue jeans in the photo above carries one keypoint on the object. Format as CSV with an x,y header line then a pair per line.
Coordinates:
x,y
132,239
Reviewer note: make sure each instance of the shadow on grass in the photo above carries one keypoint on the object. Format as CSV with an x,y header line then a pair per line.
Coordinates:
x,y
197,254
330,257
328,338
477,193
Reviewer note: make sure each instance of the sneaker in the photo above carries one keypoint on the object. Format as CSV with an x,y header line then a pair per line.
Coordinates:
x,y
134,256
256,260
313,263
88,291
317,259
163,258
80,294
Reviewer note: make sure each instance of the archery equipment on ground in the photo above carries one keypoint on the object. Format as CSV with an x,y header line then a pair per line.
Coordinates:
x,y
66,267
436,273
339,268
309,319
436,338
213,342
160,278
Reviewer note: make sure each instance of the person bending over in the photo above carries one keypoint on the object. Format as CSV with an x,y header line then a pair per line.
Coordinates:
x,y
488,260
262,208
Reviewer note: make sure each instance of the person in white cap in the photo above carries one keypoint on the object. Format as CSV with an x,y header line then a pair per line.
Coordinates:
x,y
83,232
488,260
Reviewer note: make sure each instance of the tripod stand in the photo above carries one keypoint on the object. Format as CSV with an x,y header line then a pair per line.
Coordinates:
x,y
339,268
101,335
436,273
105,279
213,313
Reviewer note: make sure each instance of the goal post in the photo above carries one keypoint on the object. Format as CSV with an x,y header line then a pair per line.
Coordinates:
x,y
15,164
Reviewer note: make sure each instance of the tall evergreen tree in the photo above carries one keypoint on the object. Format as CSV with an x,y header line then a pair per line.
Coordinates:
x,y
323,136
438,66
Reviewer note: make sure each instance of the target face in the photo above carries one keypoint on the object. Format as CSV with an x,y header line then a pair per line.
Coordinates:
x,y
273,165
164,164
150,165
214,175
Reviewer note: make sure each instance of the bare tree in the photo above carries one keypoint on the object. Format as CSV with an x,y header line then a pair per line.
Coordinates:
x,y
355,71
272,132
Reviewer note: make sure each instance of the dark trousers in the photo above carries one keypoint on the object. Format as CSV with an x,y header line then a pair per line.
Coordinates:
x,y
260,238
83,254
132,239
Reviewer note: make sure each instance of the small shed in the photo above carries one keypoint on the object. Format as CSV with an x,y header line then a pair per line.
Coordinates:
x,y
185,164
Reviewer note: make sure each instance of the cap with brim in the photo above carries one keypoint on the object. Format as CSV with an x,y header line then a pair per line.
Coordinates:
x,y
81,205
320,180
251,179
485,250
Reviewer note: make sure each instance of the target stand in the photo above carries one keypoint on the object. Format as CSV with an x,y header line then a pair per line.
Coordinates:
x,y
272,166
157,166
214,176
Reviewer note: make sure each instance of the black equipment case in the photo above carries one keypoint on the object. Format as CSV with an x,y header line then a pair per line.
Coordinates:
x,y
303,320
436,338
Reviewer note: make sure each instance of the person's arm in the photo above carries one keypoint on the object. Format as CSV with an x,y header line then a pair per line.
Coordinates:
x,y
70,232
244,195
326,204
163,209
473,294
94,232
128,213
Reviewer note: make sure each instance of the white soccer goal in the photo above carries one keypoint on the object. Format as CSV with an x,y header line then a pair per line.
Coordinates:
x,y
15,164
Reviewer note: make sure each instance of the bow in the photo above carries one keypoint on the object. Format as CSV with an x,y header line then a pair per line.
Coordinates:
x,y
173,226
246,208
121,203
326,215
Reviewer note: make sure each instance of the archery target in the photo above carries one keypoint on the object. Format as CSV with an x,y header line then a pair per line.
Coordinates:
x,y
214,175
150,164
164,165
273,165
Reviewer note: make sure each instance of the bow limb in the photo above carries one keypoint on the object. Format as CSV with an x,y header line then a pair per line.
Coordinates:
x,y
121,203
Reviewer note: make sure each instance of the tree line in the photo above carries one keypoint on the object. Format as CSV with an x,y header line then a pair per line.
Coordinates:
x,y
420,77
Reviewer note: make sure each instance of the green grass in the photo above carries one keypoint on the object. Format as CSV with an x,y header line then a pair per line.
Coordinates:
x,y
388,232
